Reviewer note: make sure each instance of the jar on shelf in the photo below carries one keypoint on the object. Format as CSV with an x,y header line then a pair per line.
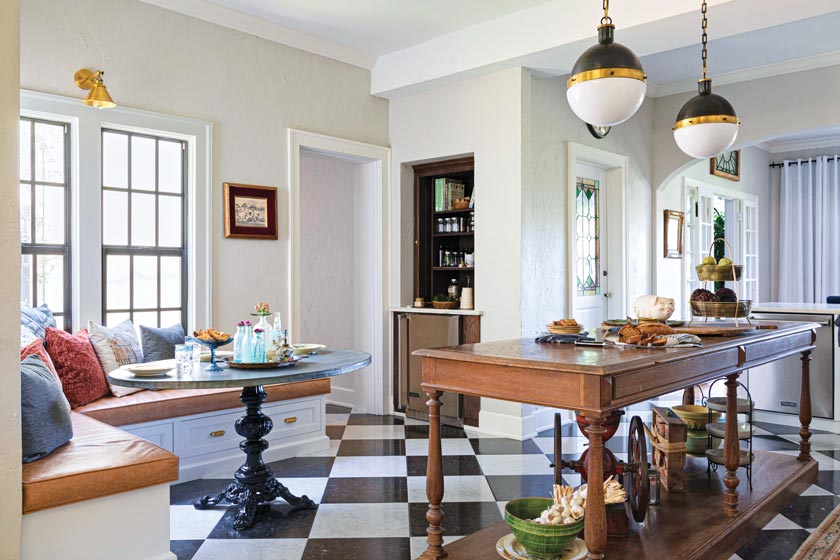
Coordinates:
x,y
440,225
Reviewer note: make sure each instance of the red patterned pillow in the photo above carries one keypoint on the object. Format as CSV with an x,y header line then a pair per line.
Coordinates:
x,y
78,368
36,348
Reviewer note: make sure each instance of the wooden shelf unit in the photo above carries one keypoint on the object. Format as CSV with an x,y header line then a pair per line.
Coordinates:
x,y
430,278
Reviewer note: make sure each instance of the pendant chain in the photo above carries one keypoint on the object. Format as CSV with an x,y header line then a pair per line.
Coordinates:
x,y
705,37
606,20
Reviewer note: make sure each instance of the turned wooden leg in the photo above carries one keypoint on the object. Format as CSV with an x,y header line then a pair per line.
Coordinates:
x,y
688,395
805,409
731,447
434,482
595,521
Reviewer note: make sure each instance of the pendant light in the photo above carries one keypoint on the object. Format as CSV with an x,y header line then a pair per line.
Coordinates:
x,y
608,84
707,124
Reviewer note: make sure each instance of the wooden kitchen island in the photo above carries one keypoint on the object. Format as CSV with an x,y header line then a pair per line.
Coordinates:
x,y
709,520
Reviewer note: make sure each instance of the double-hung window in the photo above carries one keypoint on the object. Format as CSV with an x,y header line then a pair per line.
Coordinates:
x,y
144,233
45,216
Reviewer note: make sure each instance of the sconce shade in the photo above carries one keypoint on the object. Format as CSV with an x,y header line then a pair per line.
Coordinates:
x,y
98,96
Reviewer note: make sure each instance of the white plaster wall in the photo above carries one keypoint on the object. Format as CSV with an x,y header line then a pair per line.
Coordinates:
x,y
755,180
10,459
250,88
544,208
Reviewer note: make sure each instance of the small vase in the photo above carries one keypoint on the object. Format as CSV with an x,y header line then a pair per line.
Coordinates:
x,y
259,347
264,325
237,343
247,344
286,351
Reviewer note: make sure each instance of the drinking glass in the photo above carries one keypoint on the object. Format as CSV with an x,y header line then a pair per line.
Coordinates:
x,y
183,359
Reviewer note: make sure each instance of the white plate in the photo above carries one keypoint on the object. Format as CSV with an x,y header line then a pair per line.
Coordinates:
x,y
509,548
148,370
305,349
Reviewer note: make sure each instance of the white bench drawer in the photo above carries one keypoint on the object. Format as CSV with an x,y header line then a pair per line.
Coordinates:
x,y
161,435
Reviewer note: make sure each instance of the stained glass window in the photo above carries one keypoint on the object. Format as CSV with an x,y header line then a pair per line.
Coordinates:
x,y
588,239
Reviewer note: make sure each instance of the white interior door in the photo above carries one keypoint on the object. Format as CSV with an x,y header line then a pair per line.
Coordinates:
x,y
749,249
590,246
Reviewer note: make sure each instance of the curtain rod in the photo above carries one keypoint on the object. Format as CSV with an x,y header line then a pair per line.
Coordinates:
x,y
809,160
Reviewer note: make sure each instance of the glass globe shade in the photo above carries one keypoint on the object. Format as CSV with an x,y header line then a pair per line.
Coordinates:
x,y
606,101
706,140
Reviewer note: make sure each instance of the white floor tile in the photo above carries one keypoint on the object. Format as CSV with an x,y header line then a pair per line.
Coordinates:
x,y
573,479
457,489
313,488
345,467
780,522
337,419
418,544
502,505
819,442
355,520
449,446
188,523
815,490
825,462
252,549
374,432
415,422
514,464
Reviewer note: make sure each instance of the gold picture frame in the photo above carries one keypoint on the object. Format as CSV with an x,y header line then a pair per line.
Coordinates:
x,y
674,221
726,165
250,211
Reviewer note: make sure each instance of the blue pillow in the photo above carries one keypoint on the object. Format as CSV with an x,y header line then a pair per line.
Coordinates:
x,y
36,319
44,410
159,344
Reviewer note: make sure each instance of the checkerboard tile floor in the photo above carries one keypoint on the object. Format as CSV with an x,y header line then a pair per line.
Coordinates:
x,y
370,490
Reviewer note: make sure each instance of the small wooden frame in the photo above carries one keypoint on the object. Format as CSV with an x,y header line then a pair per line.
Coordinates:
x,y
726,165
250,211
669,448
673,231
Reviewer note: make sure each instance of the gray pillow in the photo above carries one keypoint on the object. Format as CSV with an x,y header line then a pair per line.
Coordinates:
x,y
159,344
44,411
36,319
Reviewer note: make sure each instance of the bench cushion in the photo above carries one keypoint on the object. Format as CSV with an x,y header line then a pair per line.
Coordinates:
x,y
149,406
99,461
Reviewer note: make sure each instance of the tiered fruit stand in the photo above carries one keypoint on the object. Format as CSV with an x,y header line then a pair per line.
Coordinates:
x,y
739,309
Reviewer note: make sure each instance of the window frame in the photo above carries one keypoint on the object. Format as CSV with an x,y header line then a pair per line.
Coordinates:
x,y
34,248
131,250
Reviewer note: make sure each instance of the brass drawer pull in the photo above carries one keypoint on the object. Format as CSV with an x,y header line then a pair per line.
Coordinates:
x,y
217,433
290,420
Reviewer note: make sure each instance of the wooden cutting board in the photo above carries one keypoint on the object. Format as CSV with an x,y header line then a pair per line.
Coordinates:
x,y
719,329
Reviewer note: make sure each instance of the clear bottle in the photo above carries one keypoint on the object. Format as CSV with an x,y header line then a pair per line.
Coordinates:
x,y
453,289
237,341
259,346
248,342
272,351
286,350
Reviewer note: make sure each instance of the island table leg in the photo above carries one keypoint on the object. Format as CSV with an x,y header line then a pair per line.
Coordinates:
x,y
595,521
805,409
434,482
731,447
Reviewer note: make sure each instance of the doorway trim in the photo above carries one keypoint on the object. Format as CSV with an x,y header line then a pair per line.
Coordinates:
x,y
373,389
616,168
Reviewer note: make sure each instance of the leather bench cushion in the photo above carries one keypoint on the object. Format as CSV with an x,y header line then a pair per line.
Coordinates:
x,y
99,461
149,406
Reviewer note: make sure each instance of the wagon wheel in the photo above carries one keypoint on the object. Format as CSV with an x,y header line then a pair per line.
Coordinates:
x,y
638,491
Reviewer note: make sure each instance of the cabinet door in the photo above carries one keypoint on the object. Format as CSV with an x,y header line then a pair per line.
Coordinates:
x,y
430,331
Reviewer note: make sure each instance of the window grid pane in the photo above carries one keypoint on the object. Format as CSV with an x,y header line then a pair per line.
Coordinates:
x,y
588,238
144,251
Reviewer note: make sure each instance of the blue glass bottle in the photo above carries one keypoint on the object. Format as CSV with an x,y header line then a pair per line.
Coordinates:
x,y
259,346
248,342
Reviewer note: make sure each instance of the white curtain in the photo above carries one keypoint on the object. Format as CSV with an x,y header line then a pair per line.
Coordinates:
x,y
809,240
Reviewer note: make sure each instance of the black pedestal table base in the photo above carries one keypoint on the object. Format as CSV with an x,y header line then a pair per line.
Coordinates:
x,y
254,483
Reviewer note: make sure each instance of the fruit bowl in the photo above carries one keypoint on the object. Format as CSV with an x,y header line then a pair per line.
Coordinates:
x,y
695,416
721,309
718,272
543,542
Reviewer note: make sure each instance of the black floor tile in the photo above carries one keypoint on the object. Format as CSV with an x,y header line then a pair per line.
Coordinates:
x,y
829,480
422,432
335,409
335,432
462,518
187,493
780,429
771,443
274,521
365,490
809,511
184,550
510,487
358,549
569,429
303,467
374,420
371,447
773,545
453,465
835,454
504,446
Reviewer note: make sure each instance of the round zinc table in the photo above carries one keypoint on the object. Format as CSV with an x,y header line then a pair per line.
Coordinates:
x,y
254,483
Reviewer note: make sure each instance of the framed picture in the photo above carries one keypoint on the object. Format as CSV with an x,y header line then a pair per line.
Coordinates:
x,y
250,211
674,234
726,165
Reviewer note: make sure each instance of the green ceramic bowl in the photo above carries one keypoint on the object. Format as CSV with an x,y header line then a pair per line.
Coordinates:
x,y
543,542
695,417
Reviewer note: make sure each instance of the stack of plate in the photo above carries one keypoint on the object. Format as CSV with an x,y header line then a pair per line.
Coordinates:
x,y
151,369
564,329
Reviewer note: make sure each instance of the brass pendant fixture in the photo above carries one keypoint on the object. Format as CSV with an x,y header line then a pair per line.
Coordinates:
x,y
98,96
707,124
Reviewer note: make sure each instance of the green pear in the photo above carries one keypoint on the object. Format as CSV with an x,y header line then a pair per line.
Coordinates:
x,y
724,262
709,260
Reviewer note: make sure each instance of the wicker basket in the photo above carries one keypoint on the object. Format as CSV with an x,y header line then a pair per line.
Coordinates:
x,y
718,273
721,309
444,304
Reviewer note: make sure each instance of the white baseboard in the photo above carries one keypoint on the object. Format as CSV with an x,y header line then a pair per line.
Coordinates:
x,y
342,396
518,427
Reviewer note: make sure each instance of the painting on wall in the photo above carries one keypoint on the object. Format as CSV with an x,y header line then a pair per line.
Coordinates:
x,y
250,211
727,165
674,226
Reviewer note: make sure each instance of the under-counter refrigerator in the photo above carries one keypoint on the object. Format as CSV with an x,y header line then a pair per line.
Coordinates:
x,y
416,331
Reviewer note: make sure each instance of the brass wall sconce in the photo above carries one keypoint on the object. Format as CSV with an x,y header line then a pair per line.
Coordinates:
x,y
98,96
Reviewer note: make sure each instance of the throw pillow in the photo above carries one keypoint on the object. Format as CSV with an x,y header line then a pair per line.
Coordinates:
x,y
26,337
159,344
77,366
115,347
44,411
36,319
36,348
